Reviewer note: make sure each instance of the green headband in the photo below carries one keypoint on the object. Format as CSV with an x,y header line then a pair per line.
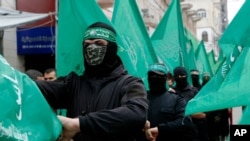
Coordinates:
x,y
159,68
101,33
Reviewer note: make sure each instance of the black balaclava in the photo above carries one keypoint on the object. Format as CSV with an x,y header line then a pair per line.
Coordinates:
x,y
205,80
195,78
157,83
110,60
180,82
195,81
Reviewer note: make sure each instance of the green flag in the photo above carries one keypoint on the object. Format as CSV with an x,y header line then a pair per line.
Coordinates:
x,y
235,90
202,60
190,43
193,39
191,55
74,17
207,98
215,65
168,39
25,115
224,92
237,32
137,47
221,58
211,60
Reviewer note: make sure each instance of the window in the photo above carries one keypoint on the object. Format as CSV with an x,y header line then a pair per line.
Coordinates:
x,y
204,36
201,13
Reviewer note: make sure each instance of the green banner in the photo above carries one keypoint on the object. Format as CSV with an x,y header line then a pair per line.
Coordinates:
x,y
208,97
229,87
25,115
135,39
168,38
237,32
191,44
203,64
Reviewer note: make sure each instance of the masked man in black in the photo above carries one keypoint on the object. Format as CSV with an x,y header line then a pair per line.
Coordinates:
x,y
104,103
188,92
166,110
195,76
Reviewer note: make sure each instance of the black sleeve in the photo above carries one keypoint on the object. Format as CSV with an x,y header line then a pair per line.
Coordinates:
x,y
127,119
178,124
55,92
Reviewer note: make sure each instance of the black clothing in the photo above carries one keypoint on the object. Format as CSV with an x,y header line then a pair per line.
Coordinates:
x,y
106,111
218,124
180,71
166,111
156,82
102,70
195,81
181,83
180,76
188,92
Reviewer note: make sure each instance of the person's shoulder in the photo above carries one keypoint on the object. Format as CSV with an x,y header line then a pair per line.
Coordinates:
x,y
175,97
129,77
194,89
73,74
172,94
131,81
70,76
191,88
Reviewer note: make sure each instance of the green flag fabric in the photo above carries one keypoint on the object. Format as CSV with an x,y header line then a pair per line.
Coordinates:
x,y
221,58
193,39
215,65
25,115
190,43
74,17
228,88
234,91
203,64
211,59
237,32
208,97
191,55
135,39
168,38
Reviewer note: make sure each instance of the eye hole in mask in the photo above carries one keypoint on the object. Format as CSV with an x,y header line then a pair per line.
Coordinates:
x,y
99,42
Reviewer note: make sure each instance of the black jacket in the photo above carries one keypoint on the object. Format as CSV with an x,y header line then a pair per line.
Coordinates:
x,y
109,108
167,112
188,92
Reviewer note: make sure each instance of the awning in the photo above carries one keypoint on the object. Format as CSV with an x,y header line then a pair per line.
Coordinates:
x,y
12,18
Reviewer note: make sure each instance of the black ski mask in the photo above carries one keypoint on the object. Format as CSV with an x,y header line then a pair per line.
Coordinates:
x,y
157,83
195,78
180,76
157,79
100,60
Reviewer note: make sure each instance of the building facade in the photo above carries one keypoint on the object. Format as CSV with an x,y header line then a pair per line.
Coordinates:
x,y
8,49
18,44
213,14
